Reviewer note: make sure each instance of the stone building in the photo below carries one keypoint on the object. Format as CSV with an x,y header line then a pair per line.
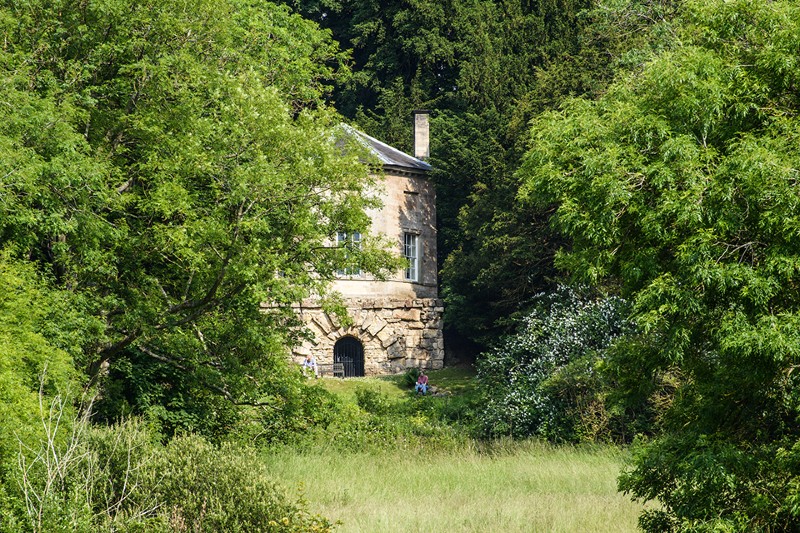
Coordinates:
x,y
397,323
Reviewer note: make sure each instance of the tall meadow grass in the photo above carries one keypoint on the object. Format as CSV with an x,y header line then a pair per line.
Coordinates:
x,y
509,487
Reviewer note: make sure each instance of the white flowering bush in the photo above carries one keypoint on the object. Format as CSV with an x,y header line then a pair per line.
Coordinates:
x,y
545,380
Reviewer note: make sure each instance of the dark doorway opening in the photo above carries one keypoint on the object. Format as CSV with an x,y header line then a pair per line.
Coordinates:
x,y
350,352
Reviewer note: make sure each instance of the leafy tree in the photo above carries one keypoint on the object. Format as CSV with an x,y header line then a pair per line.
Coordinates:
x,y
500,254
680,184
405,55
173,166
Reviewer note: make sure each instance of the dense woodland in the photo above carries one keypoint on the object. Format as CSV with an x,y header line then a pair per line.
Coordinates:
x,y
619,227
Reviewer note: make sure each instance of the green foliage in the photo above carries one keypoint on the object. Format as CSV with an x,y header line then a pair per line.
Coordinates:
x,y
546,380
121,478
410,377
371,416
32,372
496,253
680,184
458,412
225,488
358,431
372,401
172,167
293,410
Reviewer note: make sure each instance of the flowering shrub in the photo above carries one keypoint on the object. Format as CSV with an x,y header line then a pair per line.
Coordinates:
x,y
545,379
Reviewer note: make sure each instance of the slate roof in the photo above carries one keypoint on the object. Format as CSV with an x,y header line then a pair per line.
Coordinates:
x,y
389,156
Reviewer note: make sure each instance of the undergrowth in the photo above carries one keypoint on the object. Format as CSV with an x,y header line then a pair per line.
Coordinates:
x,y
372,414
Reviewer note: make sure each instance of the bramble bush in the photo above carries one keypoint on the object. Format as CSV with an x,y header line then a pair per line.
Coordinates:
x,y
410,377
546,380
122,478
372,401
32,370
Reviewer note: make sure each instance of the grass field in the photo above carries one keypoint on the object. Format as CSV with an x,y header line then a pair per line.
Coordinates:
x,y
500,487
525,487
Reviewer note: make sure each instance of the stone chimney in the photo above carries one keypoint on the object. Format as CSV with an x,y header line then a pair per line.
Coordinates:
x,y
421,134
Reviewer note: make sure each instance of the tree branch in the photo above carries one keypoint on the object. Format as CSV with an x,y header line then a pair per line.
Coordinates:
x,y
221,390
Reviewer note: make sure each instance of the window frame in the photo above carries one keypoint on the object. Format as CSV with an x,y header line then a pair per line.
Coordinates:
x,y
411,253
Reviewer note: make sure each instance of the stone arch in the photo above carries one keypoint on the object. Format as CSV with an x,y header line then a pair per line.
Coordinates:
x,y
349,351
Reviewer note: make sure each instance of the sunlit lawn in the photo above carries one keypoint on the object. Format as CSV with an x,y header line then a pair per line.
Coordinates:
x,y
526,487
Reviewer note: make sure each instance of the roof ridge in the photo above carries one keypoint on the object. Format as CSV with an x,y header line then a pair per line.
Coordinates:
x,y
389,155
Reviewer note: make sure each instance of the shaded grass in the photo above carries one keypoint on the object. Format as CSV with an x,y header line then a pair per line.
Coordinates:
x,y
524,486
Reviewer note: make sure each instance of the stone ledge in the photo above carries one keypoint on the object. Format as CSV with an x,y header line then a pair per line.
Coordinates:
x,y
356,303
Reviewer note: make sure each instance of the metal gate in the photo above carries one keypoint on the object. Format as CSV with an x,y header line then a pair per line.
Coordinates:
x,y
350,352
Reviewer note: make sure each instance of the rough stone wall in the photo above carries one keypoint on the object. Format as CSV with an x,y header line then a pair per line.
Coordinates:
x,y
396,334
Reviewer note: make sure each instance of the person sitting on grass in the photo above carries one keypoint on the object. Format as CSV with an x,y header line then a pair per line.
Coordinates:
x,y
422,383
310,366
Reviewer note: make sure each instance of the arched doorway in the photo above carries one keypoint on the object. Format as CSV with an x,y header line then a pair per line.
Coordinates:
x,y
350,352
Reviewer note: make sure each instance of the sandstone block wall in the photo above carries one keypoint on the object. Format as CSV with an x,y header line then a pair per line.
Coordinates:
x,y
396,333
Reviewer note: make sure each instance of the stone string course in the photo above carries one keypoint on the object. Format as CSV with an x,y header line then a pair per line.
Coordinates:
x,y
396,334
